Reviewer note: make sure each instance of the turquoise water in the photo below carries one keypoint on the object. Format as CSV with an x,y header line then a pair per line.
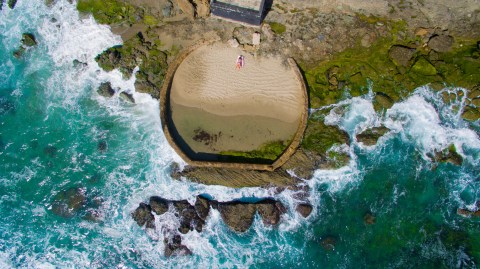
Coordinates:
x,y
52,121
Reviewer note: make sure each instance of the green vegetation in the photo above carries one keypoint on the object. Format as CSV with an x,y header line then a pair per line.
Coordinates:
x,y
278,28
109,11
320,137
269,151
349,73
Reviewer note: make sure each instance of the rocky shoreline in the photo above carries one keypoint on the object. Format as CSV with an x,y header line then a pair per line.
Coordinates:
x,y
237,215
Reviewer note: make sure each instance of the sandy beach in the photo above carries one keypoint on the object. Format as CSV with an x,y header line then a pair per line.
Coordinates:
x,y
267,87
240,109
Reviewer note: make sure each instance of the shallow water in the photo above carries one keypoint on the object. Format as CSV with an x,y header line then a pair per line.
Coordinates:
x,y
52,121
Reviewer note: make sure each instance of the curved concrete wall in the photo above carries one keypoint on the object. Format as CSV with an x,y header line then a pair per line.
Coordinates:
x,y
165,110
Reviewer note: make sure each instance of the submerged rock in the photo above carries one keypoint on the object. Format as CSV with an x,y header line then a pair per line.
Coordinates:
x,y
143,216
105,89
304,209
102,146
448,155
67,203
370,136
328,243
50,151
369,218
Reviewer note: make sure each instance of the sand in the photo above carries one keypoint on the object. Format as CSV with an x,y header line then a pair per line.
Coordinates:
x,y
240,109
267,87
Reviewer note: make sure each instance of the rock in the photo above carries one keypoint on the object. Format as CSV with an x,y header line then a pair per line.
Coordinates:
x,y
304,209
328,243
158,205
186,7
401,55
28,40
424,67
369,218
474,92
368,39
202,207
382,101
78,64
11,3
93,215
167,9
19,52
331,74
105,89
471,113
174,247
189,219
237,215
421,32
233,43
369,137
270,211
143,216
469,213
441,43
449,155
256,39
249,48
1,4
67,203
127,97
268,32
202,8
102,146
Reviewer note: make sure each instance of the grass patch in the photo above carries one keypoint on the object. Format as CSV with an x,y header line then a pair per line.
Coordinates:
x,y
269,151
278,28
108,11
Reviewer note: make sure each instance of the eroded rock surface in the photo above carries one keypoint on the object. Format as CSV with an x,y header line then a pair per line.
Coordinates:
x,y
67,203
370,136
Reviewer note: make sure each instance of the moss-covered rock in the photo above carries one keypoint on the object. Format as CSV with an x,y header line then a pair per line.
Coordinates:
x,y
105,89
441,43
471,113
401,55
110,11
11,3
370,137
423,67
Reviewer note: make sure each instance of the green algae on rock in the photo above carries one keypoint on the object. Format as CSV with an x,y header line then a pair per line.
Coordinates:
x,y
370,136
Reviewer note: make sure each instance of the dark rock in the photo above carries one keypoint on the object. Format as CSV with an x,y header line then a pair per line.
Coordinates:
x,y
18,53
270,211
328,243
1,4
93,215
304,209
369,137
382,101
78,64
102,146
67,203
401,55
50,151
106,89
127,97
467,213
158,205
237,215
174,247
448,155
189,219
28,40
441,43
143,216
369,218
202,207
12,3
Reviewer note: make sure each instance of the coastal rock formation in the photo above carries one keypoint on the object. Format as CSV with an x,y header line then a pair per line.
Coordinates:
x,y
174,247
237,215
328,243
369,218
128,97
370,136
447,155
441,43
105,89
68,202
28,40
186,7
11,3
469,213
202,8
401,55
304,209
143,215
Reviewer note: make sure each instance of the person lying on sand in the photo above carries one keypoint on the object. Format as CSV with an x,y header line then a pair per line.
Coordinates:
x,y
240,62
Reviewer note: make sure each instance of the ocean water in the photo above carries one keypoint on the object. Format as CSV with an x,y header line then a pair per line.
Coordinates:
x,y
52,121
